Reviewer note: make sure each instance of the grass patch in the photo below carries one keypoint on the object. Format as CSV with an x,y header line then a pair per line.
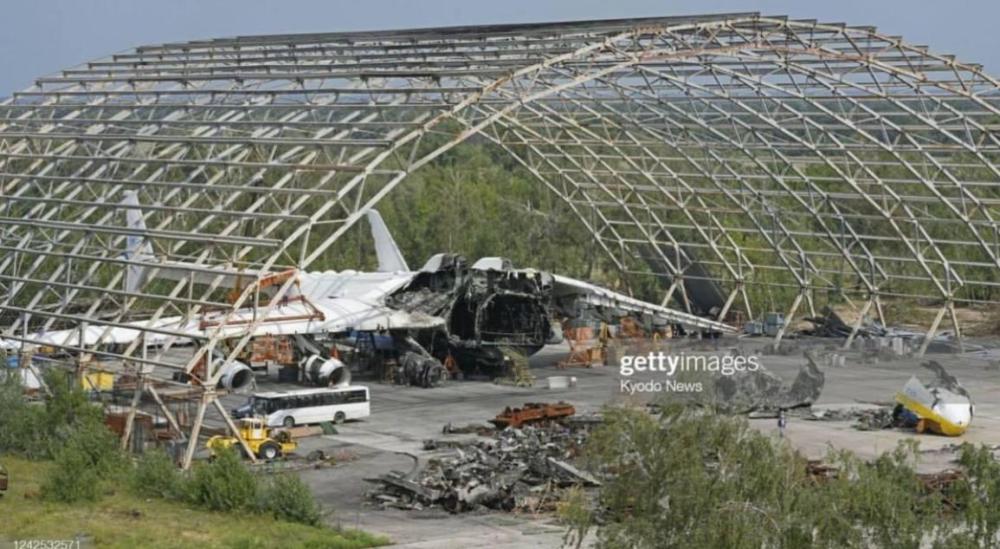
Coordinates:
x,y
119,519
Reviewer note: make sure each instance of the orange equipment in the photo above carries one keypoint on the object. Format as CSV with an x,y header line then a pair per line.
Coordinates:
x,y
532,412
581,350
265,350
629,330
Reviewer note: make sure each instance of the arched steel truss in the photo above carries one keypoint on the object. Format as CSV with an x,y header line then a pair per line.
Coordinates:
x,y
823,158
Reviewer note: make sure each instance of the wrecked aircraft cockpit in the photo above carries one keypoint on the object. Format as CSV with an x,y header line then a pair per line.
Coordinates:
x,y
942,406
485,307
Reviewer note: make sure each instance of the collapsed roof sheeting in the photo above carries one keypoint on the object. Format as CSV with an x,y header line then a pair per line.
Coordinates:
x,y
858,163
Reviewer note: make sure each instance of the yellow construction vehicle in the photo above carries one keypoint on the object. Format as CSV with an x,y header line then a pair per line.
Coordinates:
x,y
258,437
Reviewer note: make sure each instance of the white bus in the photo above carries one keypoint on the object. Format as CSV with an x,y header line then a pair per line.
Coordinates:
x,y
291,408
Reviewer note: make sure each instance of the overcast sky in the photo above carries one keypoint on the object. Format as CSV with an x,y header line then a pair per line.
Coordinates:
x,y
40,37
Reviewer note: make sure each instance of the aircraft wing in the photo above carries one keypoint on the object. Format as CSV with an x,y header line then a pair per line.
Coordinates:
x,y
295,317
566,290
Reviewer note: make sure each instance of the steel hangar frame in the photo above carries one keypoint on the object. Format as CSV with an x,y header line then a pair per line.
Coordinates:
x,y
787,154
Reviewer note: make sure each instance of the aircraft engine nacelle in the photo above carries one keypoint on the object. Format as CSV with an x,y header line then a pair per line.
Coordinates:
x,y
236,377
326,371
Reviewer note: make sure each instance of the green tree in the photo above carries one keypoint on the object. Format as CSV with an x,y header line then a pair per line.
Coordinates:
x,y
690,478
286,497
224,484
88,456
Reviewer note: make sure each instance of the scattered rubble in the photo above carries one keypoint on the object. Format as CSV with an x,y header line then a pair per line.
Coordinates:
x,y
468,429
934,484
514,470
785,348
865,419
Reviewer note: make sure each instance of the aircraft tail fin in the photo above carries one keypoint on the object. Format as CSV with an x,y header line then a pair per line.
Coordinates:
x,y
390,259
136,246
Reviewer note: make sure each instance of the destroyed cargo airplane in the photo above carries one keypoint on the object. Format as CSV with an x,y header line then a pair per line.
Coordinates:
x,y
446,308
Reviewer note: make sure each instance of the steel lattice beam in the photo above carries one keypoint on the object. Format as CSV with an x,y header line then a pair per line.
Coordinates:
x,y
784,154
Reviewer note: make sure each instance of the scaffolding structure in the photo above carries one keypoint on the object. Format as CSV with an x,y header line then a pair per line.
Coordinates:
x,y
823,159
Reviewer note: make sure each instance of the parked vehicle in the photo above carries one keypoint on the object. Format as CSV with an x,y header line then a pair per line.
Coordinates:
x,y
291,408
262,442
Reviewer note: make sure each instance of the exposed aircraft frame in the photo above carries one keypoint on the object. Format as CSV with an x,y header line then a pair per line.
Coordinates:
x,y
866,167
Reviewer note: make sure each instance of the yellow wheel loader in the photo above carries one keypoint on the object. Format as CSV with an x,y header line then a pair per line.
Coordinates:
x,y
258,437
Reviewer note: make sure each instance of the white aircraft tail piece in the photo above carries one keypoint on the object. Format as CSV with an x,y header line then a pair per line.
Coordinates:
x,y
390,259
137,248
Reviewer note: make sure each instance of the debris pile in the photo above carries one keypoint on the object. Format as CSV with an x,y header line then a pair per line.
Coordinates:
x,y
938,484
865,419
763,391
831,325
467,429
515,470
943,406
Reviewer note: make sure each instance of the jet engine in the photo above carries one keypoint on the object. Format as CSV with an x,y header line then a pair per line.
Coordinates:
x,y
325,371
236,377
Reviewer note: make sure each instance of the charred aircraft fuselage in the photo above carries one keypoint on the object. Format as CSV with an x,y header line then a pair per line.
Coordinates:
x,y
489,309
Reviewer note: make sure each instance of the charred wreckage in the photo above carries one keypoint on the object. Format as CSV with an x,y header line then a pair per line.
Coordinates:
x,y
410,327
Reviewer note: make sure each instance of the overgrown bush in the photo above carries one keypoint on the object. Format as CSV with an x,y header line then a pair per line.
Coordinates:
x,y
69,404
40,430
156,475
695,479
22,425
224,484
69,429
286,497
89,456
72,478
977,494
